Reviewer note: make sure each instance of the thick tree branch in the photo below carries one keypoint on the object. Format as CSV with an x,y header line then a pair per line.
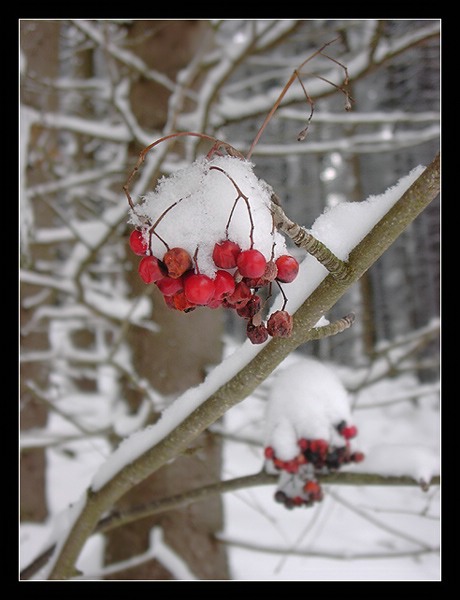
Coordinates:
x,y
385,232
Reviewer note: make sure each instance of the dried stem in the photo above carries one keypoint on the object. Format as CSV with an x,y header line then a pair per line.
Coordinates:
x,y
217,145
296,75
240,195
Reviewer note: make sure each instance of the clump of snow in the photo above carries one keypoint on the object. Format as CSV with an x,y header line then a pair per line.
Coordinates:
x,y
410,460
194,204
307,400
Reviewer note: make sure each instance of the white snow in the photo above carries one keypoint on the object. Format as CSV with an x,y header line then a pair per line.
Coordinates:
x,y
306,400
343,226
202,200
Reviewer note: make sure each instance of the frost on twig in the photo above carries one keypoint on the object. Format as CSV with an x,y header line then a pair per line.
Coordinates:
x,y
303,239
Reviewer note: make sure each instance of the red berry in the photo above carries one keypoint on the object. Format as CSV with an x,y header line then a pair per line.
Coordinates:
x,y
258,334
150,269
288,268
240,296
137,242
279,464
198,288
291,466
224,287
251,263
319,446
312,487
301,459
280,324
225,254
224,284
181,303
269,452
169,286
349,432
177,261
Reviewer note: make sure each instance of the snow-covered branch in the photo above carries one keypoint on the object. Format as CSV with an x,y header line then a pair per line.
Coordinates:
x,y
147,451
385,140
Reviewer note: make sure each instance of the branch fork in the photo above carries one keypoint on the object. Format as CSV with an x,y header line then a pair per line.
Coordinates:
x,y
338,268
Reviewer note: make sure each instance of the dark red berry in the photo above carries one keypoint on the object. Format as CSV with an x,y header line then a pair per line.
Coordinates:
x,y
137,242
150,269
199,288
251,263
303,444
320,447
288,268
357,457
280,497
240,296
280,324
258,334
225,254
177,261
249,310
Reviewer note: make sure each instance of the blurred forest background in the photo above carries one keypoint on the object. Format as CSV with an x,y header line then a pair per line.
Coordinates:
x,y
100,352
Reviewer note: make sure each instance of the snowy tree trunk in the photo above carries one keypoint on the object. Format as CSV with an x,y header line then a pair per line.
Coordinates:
x,y
171,359
40,51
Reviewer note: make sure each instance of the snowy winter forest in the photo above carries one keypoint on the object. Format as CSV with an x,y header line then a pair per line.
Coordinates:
x,y
285,423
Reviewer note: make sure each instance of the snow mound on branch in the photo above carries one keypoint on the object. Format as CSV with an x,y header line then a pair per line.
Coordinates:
x,y
193,207
343,226
307,400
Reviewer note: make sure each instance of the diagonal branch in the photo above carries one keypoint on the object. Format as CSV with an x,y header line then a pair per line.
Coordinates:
x,y
246,380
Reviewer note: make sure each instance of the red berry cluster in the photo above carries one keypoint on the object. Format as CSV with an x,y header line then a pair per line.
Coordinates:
x,y
239,276
298,485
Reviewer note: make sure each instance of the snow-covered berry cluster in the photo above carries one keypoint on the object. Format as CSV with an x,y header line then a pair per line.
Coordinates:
x,y
206,238
309,430
298,484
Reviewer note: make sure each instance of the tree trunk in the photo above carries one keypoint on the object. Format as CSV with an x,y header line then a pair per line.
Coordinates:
x,y
39,47
172,360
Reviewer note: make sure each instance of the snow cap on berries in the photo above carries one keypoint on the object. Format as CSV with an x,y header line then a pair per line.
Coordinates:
x,y
307,401
193,208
